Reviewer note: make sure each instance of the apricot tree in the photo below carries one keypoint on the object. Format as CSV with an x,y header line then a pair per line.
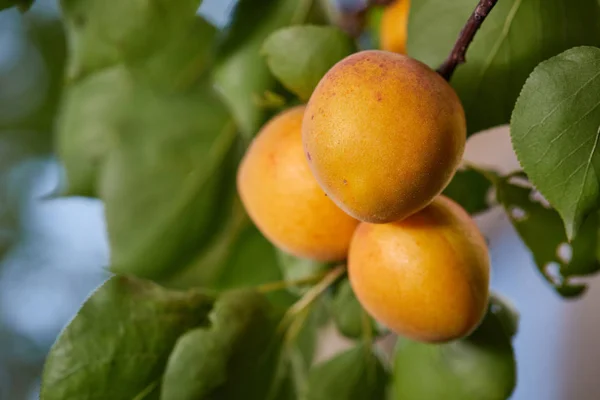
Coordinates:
x,y
241,169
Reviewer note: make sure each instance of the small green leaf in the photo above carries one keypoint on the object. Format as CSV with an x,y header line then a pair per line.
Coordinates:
x,y
294,268
299,56
22,5
356,374
119,342
349,316
506,312
479,367
235,357
241,73
470,189
515,37
555,130
543,232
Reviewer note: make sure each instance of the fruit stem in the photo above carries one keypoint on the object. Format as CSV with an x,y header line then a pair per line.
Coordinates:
x,y
279,285
300,307
316,290
457,55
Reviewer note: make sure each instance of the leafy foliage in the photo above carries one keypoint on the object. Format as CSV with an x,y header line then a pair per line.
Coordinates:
x,y
542,230
22,5
555,130
350,318
295,269
156,114
299,56
479,367
146,340
119,342
26,120
501,57
470,189
355,374
241,73
236,357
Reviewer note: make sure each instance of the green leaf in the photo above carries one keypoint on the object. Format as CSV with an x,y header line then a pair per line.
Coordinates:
x,y
107,77
235,256
479,367
241,73
349,316
22,5
555,130
356,374
294,268
470,189
507,314
15,148
164,185
516,36
300,348
119,342
235,357
299,56
31,86
103,35
542,230
143,128
33,82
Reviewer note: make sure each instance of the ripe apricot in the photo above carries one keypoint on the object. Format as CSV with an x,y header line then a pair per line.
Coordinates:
x,y
283,198
384,135
426,277
394,26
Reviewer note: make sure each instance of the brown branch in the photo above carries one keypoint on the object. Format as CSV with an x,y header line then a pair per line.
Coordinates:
x,y
457,55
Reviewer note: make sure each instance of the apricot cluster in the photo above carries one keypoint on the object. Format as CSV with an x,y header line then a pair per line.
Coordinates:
x,y
357,174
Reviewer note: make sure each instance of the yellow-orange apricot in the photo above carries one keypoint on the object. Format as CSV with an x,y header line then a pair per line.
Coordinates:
x,y
384,134
394,26
283,198
426,277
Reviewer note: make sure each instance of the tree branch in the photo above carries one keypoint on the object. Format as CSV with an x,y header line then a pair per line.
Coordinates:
x,y
457,55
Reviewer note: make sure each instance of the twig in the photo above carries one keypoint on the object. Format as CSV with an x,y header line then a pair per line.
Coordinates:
x,y
457,55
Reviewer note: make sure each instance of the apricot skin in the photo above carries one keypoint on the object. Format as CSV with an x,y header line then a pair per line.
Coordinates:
x,y
425,278
384,134
394,26
284,200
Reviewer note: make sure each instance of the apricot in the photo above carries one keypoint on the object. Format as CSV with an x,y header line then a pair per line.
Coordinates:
x,y
284,200
383,134
426,277
394,26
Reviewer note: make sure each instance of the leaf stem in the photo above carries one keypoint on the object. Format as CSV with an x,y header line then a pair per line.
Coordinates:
x,y
457,55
